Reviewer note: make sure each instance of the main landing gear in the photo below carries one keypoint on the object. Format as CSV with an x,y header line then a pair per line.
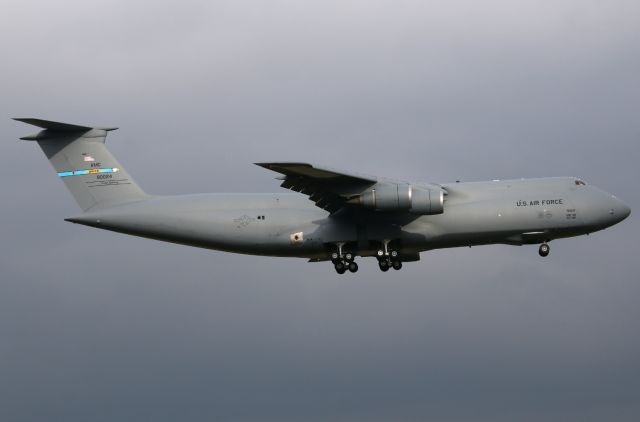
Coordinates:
x,y
388,258
343,261
544,250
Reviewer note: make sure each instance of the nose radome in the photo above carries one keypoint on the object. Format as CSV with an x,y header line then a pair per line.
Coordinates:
x,y
619,209
624,210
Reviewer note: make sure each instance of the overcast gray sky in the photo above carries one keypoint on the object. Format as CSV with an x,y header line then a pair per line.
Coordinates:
x,y
100,326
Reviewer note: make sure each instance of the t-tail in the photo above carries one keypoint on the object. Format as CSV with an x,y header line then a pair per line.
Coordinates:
x,y
81,159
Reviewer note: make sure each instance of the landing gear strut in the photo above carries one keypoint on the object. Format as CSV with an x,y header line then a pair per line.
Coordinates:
x,y
544,249
388,258
343,261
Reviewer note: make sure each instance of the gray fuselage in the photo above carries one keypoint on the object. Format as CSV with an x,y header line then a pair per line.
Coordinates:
x,y
475,213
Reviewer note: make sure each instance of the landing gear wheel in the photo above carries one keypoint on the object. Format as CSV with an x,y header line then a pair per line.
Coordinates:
x,y
340,267
348,256
544,249
394,254
384,265
396,265
380,253
353,267
334,256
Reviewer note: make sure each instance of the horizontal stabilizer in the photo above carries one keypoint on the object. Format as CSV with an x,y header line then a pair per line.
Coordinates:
x,y
56,127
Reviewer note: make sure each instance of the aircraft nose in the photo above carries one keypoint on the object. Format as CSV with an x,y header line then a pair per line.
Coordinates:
x,y
624,210
619,210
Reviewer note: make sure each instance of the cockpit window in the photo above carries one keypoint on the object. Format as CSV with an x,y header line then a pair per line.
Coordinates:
x,y
580,182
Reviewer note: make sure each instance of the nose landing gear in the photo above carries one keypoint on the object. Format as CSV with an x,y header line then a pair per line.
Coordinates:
x,y
544,250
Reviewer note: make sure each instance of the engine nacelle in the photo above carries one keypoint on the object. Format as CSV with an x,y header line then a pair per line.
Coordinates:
x,y
427,201
399,197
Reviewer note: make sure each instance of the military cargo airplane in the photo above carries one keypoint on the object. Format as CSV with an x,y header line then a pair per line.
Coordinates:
x,y
335,216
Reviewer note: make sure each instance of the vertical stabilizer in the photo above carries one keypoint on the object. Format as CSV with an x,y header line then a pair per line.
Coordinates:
x,y
81,159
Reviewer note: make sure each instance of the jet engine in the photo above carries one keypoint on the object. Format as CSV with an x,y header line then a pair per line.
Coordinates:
x,y
402,197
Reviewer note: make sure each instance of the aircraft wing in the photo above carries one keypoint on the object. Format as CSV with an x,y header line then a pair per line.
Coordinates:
x,y
328,188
